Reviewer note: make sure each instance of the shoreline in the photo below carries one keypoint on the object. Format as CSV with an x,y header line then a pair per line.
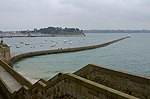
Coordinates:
x,y
18,36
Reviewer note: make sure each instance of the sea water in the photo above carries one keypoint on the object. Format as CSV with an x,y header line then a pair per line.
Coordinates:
x,y
131,55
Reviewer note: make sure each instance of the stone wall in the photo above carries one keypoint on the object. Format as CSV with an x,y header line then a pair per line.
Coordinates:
x,y
22,80
67,86
61,86
5,90
36,53
129,83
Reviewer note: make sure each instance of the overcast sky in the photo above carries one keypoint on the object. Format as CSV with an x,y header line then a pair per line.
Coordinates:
x,y
82,14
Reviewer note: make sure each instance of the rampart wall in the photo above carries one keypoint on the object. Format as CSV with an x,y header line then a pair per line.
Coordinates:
x,y
129,83
61,86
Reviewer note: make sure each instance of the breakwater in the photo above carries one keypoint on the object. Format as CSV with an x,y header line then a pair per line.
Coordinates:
x,y
16,57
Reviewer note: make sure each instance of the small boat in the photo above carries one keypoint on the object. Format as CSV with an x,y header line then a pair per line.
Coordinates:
x,y
41,44
18,46
65,40
52,40
52,45
27,43
32,47
21,42
70,42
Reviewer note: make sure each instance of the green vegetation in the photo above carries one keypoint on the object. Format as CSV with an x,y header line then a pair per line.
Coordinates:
x,y
117,31
57,31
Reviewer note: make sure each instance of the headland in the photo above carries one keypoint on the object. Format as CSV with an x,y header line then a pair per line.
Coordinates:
x,y
44,32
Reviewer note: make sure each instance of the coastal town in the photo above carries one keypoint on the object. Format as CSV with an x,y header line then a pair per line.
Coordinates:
x,y
10,34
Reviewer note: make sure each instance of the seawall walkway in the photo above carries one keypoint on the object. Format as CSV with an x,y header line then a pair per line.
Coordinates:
x,y
18,56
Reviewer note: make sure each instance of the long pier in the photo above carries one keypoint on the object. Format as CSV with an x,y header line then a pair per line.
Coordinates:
x,y
16,57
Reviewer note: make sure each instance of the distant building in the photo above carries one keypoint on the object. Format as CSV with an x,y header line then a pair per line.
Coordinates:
x,y
35,29
5,53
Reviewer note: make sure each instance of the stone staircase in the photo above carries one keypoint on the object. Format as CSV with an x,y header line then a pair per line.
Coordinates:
x,y
61,86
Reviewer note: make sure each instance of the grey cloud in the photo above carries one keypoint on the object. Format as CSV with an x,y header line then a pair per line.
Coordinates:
x,y
89,14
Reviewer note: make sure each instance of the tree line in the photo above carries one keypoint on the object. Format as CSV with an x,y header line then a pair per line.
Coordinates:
x,y
56,30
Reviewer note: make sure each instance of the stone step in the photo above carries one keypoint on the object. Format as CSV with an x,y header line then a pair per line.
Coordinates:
x,y
10,81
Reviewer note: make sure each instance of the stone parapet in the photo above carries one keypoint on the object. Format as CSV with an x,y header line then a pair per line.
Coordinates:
x,y
129,83
22,80
63,86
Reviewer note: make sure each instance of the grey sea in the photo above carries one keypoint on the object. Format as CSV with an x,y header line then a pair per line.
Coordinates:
x,y
131,55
